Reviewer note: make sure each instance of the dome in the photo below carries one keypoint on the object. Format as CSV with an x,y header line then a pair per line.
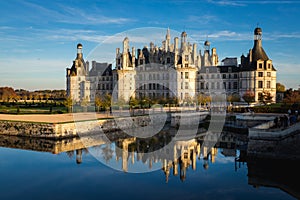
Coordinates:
x,y
257,31
79,46
206,43
183,34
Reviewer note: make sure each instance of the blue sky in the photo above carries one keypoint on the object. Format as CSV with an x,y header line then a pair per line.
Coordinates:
x,y
39,38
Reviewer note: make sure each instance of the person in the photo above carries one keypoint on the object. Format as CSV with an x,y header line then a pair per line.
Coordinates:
x,y
286,121
289,111
276,122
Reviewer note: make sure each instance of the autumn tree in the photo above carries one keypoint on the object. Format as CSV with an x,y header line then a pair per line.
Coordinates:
x,y
7,94
291,97
249,96
265,97
233,98
69,104
107,101
98,103
84,104
133,102
280,87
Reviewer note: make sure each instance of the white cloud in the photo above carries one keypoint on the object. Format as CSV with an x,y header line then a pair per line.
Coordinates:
x,y
245,3
227,2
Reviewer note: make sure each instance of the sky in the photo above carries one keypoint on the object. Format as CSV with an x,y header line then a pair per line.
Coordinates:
x,y
39,38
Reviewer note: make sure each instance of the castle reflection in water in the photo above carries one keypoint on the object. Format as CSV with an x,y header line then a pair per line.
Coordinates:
x,y
130,151
181,154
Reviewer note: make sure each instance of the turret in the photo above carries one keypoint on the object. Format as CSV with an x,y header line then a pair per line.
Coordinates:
x,y
168,38
79,51
183,40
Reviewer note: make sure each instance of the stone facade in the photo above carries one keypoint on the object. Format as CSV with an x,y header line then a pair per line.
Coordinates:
x,y
173,70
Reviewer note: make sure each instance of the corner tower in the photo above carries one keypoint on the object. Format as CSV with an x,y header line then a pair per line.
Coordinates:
x,y
259,71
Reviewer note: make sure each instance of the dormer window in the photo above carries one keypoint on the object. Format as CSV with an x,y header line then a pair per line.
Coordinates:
x,y
186,58
260,65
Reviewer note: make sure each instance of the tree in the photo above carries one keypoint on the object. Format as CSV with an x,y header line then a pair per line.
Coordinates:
x,y
249,96
7,93
107,101
98,103
233,98
280,87
265,97
69,104
133,102
84,103
291,97
121,102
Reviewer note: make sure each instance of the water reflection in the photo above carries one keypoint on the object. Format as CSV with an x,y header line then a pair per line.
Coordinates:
x,y
178,162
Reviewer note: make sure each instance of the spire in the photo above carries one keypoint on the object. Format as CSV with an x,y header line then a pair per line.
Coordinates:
x,y
168,36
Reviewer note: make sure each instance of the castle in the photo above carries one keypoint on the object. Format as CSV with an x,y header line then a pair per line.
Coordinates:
x,y
175,69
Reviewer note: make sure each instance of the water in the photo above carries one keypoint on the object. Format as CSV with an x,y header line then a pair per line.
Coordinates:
x,y
47,171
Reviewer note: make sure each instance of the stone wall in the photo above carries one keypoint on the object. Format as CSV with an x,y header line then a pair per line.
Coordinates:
x,y
279,144
72,129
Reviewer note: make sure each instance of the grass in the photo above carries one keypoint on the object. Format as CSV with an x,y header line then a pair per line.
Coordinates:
x,y
32,109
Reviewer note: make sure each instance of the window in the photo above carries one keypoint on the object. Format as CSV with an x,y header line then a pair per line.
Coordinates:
x,y
229,85
260,84
224,85
269,66
186,85
212,85
168,60
224,76
186,65
268,84
186,58
235,76
202,86
229,75
268,74
212,76
181,75
235,85
260,74
218,85
260,65
181,86
186,74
